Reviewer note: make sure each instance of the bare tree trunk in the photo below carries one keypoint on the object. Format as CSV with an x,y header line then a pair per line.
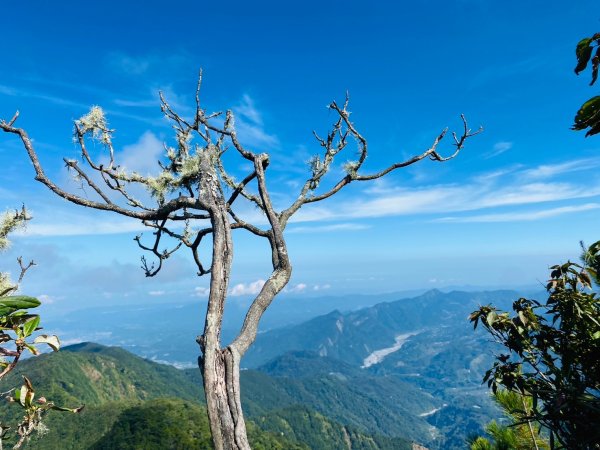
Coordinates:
x,y
220,367
222,387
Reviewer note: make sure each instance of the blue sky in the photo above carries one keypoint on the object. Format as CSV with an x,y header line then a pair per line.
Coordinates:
x,y
518,198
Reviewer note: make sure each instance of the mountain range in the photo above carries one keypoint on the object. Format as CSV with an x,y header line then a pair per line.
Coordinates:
x,y
133,403
407,369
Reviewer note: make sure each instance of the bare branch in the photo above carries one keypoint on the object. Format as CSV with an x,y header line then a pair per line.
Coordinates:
x,y
352,169
238,188
282,268
14,119
15,354
24,269
162,212
72,164
239,223
149,269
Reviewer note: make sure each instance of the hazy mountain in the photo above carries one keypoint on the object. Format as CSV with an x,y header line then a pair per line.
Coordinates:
x,y
354,336
426,341
182,320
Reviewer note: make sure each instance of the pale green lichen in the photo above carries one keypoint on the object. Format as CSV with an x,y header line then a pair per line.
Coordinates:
x,y
160,186
6,285
315,164
95,123
9,222
350,168
171,154
190,167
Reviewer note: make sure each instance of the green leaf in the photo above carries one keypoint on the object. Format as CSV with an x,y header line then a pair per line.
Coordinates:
x,y
22,395
62,408
32,349
491,318
595,62
522,317
50,340
583,53
31,325
587,116
19,302
29,398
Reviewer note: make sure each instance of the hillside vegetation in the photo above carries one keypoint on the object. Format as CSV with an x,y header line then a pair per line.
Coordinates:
x,y
132,403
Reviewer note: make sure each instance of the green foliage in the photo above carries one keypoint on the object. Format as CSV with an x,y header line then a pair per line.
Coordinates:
x,y
480,443
158,424
588,115
17,325
94,374
552,358
520,434
300,424
126,406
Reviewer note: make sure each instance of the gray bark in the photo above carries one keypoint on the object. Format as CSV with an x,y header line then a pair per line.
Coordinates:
x,y
219,367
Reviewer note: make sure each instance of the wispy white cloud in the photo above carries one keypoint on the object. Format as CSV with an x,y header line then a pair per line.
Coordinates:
x,y
138,65
329,228
248,111
130,64
252,288
526,216
551,170
146,103
82,225
28,93
448,198
488,177
499,148
201,291
156,293
321,287
249,125
6,90
297,288
46,299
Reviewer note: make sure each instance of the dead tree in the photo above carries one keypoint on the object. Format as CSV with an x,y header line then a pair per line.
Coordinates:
x,y
191,188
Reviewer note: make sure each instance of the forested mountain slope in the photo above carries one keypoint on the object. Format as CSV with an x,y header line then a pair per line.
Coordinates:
x,y
426,342
135,403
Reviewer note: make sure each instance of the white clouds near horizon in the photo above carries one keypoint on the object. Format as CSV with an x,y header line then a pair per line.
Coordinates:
x,y
252,288
526,216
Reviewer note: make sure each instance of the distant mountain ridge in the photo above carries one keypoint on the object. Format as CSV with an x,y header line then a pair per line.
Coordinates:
x,y
426,341
353,336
